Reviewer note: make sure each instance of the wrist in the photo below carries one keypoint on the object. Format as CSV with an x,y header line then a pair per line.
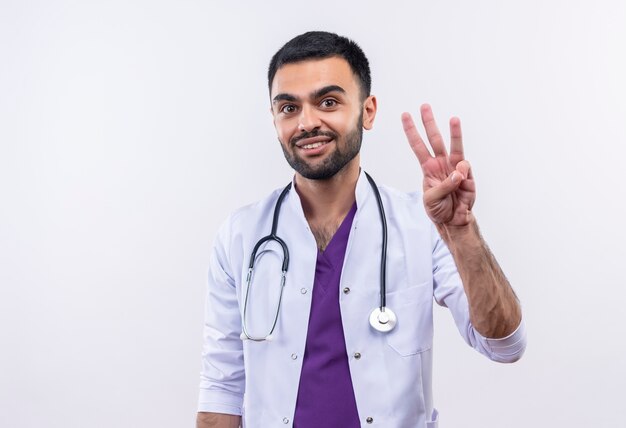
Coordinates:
x,y
454,233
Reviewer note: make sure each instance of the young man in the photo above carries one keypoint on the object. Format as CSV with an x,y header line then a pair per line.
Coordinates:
x,y
334,328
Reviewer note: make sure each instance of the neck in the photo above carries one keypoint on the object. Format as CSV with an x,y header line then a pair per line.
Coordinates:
x,y
328,201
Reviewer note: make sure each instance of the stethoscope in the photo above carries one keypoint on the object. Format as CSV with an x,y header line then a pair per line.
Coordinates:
x,y
381,318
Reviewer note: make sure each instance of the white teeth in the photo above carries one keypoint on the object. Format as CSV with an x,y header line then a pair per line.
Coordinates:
x,y
312,146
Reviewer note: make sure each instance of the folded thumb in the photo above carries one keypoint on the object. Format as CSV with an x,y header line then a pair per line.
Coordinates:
x,y
446,187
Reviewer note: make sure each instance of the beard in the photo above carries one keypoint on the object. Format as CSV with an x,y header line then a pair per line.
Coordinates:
x,y
335,162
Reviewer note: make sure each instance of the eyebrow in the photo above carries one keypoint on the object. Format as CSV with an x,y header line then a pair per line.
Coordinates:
x,y
283,97
314,95
326,90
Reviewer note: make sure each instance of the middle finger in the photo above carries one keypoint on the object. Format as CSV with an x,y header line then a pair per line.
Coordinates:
x,y
432,132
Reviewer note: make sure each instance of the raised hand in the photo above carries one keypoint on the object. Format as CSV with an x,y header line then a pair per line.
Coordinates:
x,y
449,188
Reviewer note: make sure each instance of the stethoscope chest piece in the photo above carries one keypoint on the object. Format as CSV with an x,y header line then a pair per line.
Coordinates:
x,y
383,320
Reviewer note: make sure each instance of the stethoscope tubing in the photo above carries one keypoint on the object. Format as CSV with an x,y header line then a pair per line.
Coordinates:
x,y
383,252
380,319
271,237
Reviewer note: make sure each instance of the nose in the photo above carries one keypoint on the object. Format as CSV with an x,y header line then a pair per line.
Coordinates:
x,y
308,120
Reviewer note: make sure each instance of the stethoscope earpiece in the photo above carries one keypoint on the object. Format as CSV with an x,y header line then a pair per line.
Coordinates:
x,y
383,319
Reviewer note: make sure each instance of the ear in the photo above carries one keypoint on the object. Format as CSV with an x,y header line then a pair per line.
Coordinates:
x,y
369,112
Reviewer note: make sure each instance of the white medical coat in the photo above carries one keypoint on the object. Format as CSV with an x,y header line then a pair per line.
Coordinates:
x,y
392,375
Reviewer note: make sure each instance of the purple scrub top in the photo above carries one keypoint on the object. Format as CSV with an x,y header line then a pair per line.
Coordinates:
x,y
326,396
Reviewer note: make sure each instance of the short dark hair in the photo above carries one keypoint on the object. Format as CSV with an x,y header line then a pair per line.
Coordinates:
x,y
320,45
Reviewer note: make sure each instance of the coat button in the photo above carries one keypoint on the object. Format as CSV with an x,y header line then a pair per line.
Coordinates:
x,y
346,290
294,356
303,290
369,420
285,420
357,355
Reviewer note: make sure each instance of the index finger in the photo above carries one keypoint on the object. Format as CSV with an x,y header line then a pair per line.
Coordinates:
x,y
415,141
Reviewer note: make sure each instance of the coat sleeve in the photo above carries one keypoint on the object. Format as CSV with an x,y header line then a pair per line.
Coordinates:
x,y
222,379
449,292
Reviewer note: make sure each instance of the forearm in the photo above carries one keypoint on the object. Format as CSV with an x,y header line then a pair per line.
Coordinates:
x,y
494,309
217,420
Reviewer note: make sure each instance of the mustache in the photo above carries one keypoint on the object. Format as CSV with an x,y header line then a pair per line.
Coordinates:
x,y
314,133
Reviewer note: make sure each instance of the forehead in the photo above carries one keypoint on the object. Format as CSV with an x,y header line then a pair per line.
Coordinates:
x,y
301,78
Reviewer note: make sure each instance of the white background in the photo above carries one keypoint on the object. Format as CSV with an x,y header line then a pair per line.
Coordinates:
x,y
129,130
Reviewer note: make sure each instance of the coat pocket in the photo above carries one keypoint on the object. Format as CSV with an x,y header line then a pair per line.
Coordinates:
x,y
413,307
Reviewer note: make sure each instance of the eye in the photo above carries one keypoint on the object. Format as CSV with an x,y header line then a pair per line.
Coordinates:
x,y
288,108
329,103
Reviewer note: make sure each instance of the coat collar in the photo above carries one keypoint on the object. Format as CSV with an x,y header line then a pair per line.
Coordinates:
x,y
362,193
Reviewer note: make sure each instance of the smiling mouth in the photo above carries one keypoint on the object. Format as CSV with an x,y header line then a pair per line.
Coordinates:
x,y
314,142
314,145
